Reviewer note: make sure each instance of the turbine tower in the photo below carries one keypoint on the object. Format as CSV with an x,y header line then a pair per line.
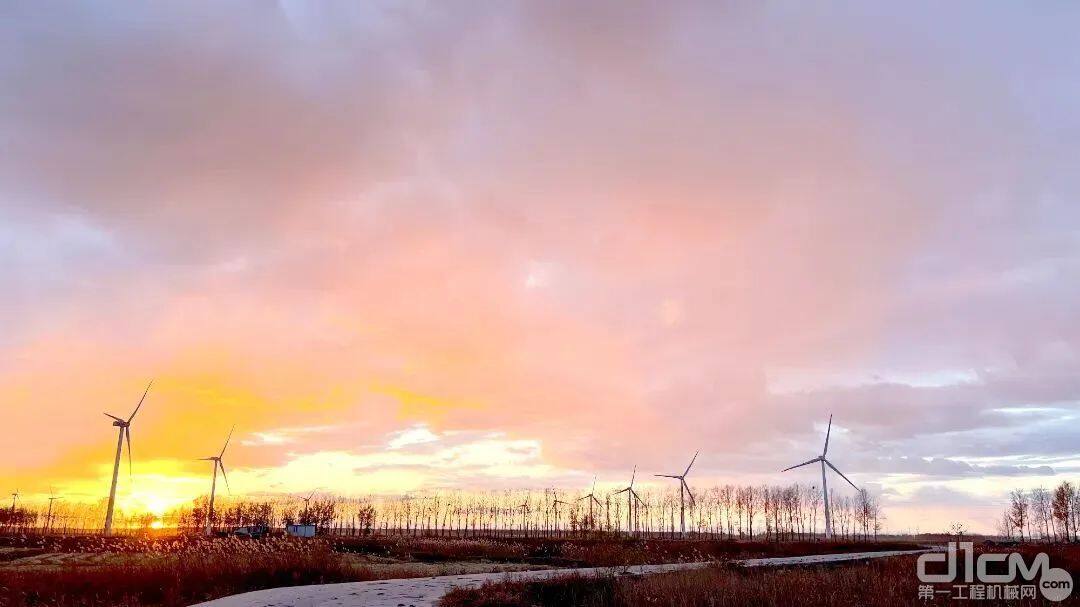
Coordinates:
x,y
125,432
824,481
524,511
631,495
592,500
14,496
49,517
218,463
684,490
555,506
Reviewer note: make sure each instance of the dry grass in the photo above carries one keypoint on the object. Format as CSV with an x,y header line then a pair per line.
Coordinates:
x,y
177,571
592,552
878,583
183,575
172,571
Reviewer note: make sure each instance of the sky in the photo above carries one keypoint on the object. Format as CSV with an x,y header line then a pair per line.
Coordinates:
x,y
415,245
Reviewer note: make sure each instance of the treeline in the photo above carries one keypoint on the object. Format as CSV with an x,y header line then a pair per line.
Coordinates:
x,y
793,512
1040,513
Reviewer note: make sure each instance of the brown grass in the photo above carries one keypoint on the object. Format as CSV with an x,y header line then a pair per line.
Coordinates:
x,y
593,552
180,570
202,571
879,583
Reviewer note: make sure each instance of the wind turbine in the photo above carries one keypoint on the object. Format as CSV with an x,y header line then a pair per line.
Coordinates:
x,y
48,517
213,484
14,496
306,515
631,495
824,481
684,490
555,506
125,432
592,500
524,510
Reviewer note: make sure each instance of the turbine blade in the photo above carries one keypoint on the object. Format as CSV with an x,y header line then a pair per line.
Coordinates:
x,y
204,459
633,476
583,498
127,435
801,465
140,401
691,463
622,491
597,501
688,492
668,475
227,439
114,417
224,476
593,490
835,469
827,433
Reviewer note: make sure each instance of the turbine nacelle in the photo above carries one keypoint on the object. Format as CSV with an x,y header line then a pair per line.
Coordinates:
x,y
682,477
119,422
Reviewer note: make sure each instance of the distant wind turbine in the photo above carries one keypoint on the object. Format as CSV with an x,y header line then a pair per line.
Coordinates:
x,y
48,517
524,511
14,496
125,432
555,506
684,490
824,481
631,495
218,463
306,514
592,500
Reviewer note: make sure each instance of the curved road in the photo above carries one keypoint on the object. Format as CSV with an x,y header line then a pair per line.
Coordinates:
x,y
426,591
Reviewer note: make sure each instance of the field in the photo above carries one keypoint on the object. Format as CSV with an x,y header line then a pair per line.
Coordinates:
x,y
175,571
880,583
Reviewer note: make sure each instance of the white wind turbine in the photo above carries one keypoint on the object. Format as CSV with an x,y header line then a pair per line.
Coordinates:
x,y
631,495
592,500
218,463
684,490
125,432
824,482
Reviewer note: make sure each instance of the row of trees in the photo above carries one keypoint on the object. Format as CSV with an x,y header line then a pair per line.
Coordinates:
x,y
793,512
1050,515
19,518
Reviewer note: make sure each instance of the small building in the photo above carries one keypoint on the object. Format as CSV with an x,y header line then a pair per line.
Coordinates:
x,y
300,530
252,531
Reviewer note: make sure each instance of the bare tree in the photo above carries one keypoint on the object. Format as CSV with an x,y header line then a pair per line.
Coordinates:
x,y
1061,508
750,504
1018,510
1041,511
1005,525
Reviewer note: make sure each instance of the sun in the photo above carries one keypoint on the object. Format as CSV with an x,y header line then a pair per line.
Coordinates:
x,y
156,505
